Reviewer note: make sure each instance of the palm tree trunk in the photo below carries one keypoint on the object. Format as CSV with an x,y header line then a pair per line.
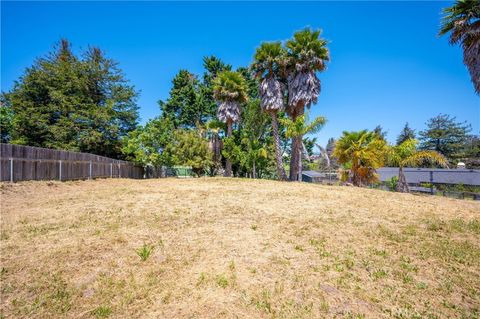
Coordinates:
x,y
254,170
278,152
228,164
402,185
295,158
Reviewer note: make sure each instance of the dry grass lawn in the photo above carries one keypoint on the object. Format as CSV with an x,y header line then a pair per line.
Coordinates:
x,y
235,248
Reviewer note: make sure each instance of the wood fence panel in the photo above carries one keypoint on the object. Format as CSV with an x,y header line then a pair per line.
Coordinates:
x,y
35,163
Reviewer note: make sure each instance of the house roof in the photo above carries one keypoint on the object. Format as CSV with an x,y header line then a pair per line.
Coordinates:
x,y
433,175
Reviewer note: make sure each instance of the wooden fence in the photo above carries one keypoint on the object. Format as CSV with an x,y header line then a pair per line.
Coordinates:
x,y
20,163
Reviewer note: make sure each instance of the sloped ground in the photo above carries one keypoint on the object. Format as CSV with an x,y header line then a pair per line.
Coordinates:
x,y
235,248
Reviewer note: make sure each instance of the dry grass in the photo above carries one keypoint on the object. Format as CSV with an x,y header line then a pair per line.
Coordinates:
x,y
232,248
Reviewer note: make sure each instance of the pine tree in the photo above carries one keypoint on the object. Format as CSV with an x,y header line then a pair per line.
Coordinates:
x,y
445,135
407,133
183,106
71,103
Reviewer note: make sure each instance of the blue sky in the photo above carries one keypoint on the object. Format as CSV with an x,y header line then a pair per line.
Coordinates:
x,y
387,64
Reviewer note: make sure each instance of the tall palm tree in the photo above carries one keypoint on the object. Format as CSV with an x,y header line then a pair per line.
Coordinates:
x,y
307,54
462,21
268,66
406,154
364,152
299,127
230,91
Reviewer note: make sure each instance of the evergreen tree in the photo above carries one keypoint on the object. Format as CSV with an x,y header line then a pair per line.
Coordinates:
x,y
382,134
78,104
6,118
407,133
445,135
212,66
183,106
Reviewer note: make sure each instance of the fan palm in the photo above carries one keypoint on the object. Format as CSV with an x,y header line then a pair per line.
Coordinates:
x,y
364,152
406,154
230,91
462,21
268,66
307,54
300,127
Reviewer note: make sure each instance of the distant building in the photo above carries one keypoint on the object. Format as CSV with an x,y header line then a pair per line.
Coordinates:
x,y
416,176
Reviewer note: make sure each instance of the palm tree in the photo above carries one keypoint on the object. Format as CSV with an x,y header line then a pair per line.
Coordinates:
x,y
307,54
268,67
300,127
462,21
230,91
406,154
364,152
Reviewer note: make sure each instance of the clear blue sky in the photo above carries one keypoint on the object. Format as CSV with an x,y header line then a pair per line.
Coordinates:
x,y
387,64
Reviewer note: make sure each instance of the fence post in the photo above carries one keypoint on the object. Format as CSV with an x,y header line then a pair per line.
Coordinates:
x,y
90,170
11,170
111,170
60,170
119,171
431,182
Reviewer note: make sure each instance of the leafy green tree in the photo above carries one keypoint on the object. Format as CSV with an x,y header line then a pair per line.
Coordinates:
x,y
407,133
362,152
189,148
255,138
462,21
230,91
269,65
471,152
184,105
71,103
148,145
307,54
6,121
406,154
445,135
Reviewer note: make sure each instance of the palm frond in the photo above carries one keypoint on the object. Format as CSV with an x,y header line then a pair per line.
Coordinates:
x,y
424,156
230,85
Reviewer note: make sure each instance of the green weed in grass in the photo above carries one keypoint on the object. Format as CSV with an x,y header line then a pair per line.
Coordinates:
x,y
222,281
102,312
145,251
379,273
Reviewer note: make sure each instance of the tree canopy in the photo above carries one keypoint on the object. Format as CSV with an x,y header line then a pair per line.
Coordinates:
x,y
445,135
78,103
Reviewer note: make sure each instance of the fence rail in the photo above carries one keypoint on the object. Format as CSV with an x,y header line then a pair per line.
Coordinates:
x,y
20,163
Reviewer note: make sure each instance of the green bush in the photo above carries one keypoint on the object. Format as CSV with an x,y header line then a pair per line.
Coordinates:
x,y
392,183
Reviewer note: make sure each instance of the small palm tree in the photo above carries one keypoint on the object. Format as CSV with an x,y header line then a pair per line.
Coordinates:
x,y
307,54
406,154
299,127
364,152
462,21
268,67
230,91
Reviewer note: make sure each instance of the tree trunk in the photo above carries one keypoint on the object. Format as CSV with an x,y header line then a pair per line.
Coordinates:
x,y
299,178
355,177
254,170
296,156
402,185
228,164
278,152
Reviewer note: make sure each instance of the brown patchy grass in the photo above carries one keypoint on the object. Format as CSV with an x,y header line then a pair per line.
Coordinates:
x,y
234,248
